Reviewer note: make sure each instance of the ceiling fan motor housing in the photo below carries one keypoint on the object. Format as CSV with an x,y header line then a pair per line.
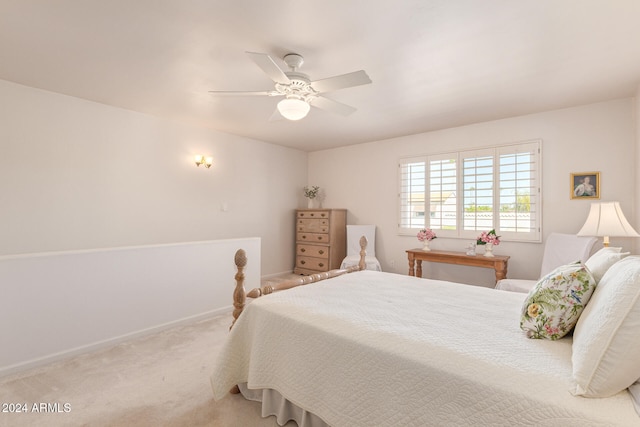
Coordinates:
x,y
293,60
298,79
299,87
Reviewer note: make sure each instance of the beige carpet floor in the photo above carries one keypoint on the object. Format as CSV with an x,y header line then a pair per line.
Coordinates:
x,y
158,380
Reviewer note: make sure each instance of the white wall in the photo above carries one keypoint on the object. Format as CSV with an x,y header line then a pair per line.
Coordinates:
x,y
597,137
58,304
76,175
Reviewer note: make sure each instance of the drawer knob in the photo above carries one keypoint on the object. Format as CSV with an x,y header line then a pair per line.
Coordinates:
x,y
321,252
303,262
319,237
303,250
321,264
304,236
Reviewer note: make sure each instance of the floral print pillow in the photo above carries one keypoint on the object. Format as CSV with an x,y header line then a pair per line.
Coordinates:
x,y
554,305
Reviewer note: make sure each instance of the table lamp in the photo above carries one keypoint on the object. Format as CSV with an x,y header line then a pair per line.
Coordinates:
x,y
607,220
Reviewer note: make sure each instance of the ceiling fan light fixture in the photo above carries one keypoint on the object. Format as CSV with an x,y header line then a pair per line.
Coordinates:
x,y
293,109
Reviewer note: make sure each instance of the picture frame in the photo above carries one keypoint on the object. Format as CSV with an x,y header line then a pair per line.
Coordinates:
x,y
585,185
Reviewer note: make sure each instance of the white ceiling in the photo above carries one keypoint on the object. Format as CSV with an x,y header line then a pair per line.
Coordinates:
x,y
434,63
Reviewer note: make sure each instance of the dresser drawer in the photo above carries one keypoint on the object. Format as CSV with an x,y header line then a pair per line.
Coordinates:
x,y
312,263
312,237
314,251
320,225
313,214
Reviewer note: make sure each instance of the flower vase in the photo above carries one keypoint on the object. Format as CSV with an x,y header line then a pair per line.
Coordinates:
x,y
311,203
488,250
425,246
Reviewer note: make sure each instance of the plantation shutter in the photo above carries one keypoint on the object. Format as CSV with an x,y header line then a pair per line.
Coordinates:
x,y
519,195
412,181
478,190
442,202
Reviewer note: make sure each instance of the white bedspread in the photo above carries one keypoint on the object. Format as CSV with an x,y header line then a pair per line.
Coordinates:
x,y
380,349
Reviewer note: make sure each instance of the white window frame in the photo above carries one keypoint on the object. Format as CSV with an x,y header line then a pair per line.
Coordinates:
x,y
523,173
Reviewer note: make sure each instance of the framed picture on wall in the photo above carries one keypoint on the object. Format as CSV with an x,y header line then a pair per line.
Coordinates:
x,y
585,185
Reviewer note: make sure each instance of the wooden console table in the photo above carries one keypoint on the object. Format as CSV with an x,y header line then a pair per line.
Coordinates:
x,y
416,256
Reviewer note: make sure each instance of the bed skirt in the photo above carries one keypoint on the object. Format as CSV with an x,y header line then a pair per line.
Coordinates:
x,y
273,403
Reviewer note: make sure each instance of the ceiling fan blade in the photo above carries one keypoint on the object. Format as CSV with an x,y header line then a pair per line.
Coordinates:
x,y
356,78
243,93
266,63
332,106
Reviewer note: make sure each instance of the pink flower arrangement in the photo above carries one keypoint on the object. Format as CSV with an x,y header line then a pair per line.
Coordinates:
x,y
488,237
426,234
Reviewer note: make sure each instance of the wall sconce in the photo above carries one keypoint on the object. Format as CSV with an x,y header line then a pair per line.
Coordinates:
x,y
202,160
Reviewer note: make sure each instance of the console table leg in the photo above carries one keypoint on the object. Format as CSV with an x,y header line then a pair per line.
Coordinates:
x,y
411,264
501,271
419,268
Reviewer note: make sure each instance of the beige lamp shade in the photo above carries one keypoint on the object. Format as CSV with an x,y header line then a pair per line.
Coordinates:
x,y
607,220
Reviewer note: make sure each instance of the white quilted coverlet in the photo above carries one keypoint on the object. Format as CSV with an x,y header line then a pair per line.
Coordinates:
x,y
381,349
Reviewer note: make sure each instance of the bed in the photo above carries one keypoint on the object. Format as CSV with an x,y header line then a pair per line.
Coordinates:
x,y
367,348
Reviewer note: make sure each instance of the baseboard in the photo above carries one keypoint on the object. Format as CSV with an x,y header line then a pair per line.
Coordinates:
x,y
271,276
41,361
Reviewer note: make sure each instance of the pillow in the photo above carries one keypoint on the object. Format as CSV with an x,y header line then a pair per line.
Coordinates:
x,y
606,342
554,304
600,262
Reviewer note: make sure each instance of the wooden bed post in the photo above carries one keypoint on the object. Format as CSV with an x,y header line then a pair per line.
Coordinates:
x,y
363,253
239,294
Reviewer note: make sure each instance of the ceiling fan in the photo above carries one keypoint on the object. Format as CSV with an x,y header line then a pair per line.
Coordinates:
x,y
300,93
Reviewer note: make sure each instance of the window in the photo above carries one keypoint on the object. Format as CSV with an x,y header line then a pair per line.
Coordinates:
x,y
463,193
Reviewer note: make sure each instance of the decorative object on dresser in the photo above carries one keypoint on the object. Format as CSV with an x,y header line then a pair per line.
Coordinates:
x,y
321,242
311,193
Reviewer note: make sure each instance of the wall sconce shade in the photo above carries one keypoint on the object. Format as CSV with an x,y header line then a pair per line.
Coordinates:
x,y
202,160
293,109
607,220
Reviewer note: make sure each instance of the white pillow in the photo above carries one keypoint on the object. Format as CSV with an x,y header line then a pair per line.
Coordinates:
x,y
601,261
606,342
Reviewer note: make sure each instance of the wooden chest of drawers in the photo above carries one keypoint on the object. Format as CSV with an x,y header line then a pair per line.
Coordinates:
x,y
321,239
